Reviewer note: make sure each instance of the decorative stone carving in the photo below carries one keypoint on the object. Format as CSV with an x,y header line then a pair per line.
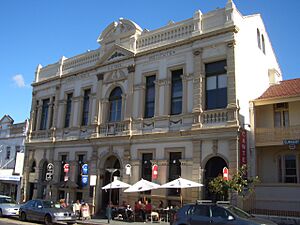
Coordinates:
x,y
115,55
114,76
131,68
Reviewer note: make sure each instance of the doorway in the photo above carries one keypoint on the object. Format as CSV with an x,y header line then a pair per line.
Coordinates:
x,y
213,168
112,162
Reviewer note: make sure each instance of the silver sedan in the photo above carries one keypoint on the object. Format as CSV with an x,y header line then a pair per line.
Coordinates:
x,y
8,207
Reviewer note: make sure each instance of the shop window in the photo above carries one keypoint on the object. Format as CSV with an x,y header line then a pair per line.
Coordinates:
x,y
44,171
150,96
281,115
44,117
68,110
174,171
176,91
115,105
216,85
85,107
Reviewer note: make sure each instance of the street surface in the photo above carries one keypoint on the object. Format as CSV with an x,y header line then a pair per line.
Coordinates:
x,y
15,220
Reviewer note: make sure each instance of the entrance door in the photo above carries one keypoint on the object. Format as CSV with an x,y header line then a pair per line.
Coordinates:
x,y
112,163
213,168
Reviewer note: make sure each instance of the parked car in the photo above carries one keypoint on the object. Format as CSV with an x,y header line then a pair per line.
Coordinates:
x,y
46,211
214,213
8,207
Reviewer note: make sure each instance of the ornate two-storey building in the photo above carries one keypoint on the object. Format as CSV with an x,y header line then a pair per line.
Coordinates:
x,y
176,97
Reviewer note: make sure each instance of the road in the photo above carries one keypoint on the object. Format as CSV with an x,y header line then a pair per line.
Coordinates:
x,y
7,221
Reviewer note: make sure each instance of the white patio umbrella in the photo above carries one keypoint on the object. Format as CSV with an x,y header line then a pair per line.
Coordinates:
x,y
180,183
142,185
116,184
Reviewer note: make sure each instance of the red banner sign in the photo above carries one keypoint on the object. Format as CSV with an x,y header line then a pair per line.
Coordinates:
x,y
225,173
154,172
243,147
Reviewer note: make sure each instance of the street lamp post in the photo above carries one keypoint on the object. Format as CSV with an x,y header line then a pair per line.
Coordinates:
x,y
111,171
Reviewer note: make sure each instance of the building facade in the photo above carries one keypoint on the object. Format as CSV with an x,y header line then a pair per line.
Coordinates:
x,y
12,147
176,97
277,137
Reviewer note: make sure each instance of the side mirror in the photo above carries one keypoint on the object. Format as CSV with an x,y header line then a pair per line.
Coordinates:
x,y
230,218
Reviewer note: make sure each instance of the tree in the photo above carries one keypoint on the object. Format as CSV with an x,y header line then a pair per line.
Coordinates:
x,y
239,183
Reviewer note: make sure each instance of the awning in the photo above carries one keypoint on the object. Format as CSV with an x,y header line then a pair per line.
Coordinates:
x,y
7,174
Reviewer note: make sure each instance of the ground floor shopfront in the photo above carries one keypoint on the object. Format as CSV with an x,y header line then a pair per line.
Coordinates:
x,y
10,184
188,155
278,167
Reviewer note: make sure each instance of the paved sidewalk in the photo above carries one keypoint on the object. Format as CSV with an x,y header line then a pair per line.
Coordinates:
x,y
115,222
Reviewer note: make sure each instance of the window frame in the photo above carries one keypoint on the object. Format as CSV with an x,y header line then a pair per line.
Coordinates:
x,y
217,97
45,114
69,103
282,169
150,86
281,109
174,99
86,107
115,105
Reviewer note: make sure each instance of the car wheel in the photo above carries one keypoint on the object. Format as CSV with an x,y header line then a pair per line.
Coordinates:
x,y
23,216
48,220
1,214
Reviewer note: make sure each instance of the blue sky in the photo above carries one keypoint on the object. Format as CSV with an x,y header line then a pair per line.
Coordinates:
x,y
36,32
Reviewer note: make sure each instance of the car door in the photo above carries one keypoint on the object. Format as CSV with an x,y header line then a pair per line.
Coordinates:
x,y
29,209
39,213
200,215
219,216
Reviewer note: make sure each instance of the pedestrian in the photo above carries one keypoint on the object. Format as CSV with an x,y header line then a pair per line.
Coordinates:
x,y
77,209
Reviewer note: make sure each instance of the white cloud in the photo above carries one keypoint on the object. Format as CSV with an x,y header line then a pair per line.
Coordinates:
x,y
19,80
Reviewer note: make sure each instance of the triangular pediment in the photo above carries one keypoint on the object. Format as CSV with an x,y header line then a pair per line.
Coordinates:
x,y
115,53
6,119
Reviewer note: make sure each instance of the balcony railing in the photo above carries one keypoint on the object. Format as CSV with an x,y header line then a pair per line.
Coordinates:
x,y
117,128
276,135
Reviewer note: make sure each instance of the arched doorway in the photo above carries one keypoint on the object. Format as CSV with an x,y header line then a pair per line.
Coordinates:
x,y
213,168
112,162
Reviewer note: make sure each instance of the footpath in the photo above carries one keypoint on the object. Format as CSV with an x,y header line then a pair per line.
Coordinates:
x,y
100,221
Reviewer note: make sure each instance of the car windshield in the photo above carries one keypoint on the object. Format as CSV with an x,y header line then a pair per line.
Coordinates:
x,y
7,200
239,212
48,204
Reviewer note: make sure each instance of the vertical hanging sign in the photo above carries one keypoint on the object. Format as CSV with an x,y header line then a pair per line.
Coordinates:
x,y
154,172
243,147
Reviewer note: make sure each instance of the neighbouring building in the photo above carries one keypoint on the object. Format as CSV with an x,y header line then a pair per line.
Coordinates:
x,y
12,139
276,116
177,97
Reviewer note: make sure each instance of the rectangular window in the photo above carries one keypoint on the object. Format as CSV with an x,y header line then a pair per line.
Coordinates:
x,y
68,110
290,175
52,112
35,115
281,115
7,152
174,171
44,117
176,92
216,85
150,96
85,108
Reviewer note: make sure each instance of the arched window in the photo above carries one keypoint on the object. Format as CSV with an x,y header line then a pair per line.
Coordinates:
x,y
263,44
115,105
258,39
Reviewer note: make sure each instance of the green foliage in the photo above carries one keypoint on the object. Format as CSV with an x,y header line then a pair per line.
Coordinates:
x,y
239,183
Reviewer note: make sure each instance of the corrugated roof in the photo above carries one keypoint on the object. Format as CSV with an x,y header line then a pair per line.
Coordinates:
x,y
286,88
